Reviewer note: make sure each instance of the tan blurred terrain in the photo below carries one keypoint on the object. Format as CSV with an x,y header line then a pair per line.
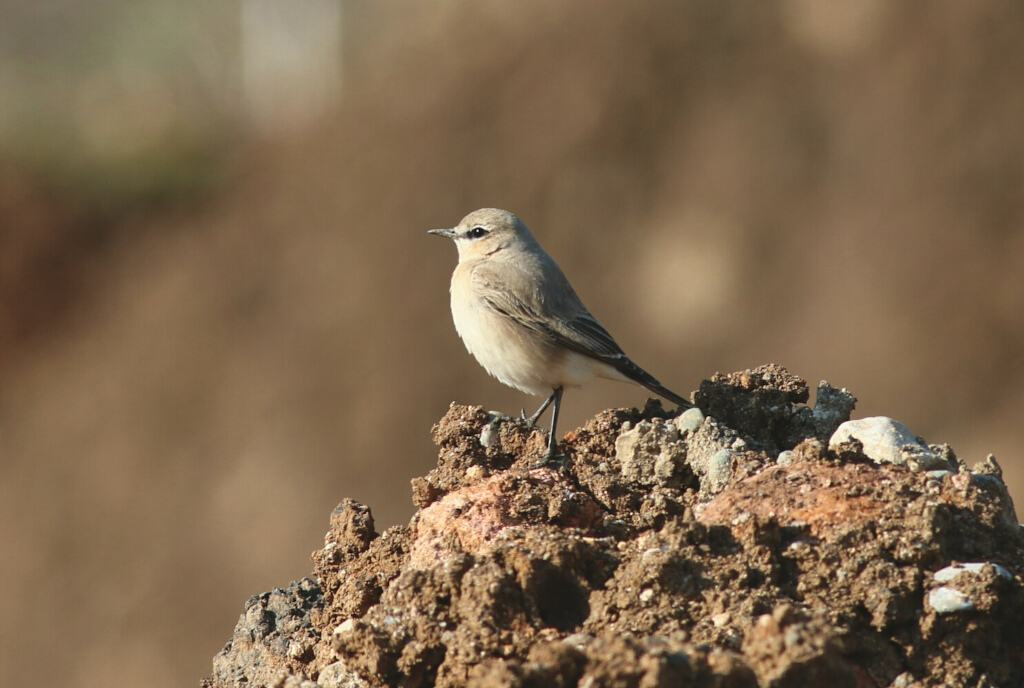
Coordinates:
x,y
216,323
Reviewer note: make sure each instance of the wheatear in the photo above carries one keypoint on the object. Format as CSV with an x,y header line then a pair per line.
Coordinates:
x,y
519,316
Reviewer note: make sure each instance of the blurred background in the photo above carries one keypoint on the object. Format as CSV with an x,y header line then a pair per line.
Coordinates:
x,y
220,313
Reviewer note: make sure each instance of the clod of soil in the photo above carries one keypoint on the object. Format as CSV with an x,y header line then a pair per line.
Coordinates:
x,y
728,546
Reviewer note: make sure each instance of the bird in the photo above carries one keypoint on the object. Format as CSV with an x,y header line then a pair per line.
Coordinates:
x,y
519,316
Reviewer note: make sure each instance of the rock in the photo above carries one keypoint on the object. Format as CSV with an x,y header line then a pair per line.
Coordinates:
x,y
884,440
764,405
989,467
832,407
719,470
657,556
338,675
294,682
689,420
791,650
274,637
950,572
489,434
947,600
650,453
704,455
904,680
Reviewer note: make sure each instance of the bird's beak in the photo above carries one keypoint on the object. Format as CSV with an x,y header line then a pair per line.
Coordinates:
x,y
450,233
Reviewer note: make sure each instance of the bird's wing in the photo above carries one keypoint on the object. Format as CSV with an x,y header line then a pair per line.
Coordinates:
x,y
552,310
555,313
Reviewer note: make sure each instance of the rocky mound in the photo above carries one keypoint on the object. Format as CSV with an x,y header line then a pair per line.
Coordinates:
x,y
744,543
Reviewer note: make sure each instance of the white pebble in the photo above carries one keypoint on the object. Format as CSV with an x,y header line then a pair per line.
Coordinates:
x,y
950,572
885,440
489,434
689,420
948,600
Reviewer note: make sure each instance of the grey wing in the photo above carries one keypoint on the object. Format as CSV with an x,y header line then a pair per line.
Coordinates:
x,y
559,317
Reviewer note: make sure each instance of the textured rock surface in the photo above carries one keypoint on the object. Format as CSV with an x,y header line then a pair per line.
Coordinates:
x,y
884,440
274,637
669,552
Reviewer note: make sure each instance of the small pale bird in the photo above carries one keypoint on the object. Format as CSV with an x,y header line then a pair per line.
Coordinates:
x,y
519,316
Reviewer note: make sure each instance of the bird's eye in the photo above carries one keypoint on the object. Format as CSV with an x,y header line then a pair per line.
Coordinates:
x,y
476,232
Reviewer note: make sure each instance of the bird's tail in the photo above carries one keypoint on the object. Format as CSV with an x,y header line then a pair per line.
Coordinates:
x,y
658,389
648,381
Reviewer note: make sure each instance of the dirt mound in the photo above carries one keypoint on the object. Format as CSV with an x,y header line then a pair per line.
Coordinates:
x,y
732,545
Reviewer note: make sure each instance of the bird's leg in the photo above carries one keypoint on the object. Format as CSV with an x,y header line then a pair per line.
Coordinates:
x,y
532,420
553,437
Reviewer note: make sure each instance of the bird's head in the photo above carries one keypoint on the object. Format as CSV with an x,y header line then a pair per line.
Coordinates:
x,y
484,232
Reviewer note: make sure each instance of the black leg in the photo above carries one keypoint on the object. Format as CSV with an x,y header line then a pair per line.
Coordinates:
x,y
532,420
553,437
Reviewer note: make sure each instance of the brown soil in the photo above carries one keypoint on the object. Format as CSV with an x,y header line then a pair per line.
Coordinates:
x,y
627,567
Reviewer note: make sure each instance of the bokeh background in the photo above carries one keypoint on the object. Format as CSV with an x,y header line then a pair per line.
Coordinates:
x,y
220,314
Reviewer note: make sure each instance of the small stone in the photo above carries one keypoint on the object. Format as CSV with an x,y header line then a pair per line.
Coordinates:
x,y
578,640
921,458
650,452
489,434
904,680
338,675
739,445
939,475
646,595
950,572
476,472
345,627
296,682
785,458
689,420
947,600
832,407
664,467
741,519
720,468
721,620
884,440
649,554
989,467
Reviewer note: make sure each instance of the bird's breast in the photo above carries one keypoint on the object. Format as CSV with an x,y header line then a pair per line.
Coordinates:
x,y
509,351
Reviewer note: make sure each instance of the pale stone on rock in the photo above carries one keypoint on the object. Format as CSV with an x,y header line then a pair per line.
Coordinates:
x,y
884,440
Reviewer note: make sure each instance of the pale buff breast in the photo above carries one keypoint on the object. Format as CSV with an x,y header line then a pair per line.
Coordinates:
x,y
515,355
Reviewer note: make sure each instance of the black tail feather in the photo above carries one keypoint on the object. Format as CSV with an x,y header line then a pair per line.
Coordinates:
x,y
646,380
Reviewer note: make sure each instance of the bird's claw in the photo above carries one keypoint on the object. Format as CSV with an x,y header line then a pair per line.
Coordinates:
x,y
555,461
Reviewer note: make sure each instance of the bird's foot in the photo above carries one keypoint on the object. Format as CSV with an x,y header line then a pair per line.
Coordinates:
x,y
552,460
